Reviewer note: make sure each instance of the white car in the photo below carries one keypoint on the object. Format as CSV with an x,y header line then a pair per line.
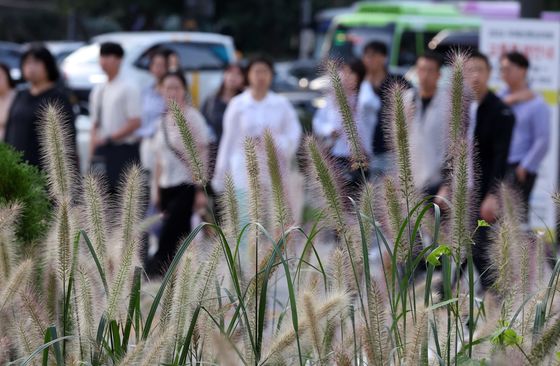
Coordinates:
x,y
203,58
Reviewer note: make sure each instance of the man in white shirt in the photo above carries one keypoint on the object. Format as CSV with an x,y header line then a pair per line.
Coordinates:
x,y
428,128
115,112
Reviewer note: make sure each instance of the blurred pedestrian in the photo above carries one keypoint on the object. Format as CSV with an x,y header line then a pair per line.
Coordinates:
x,y
531,135
177,196
153,106
38,67
174,61
329,127
380,80
115,113
428,128
7,95
489,133
214,107
250,115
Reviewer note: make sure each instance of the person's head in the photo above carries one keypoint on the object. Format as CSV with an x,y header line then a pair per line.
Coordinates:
x,y
260,72
173,61
478,73
234,79
158,64
38,65
6,81
175,87
374,56
111,55
352,73
428,68
513,68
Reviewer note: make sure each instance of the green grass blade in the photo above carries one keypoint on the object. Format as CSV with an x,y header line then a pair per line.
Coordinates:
x,y
188,338
133,304
182,249
96,260
43,347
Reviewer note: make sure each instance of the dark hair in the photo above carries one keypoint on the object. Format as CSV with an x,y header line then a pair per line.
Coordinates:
x,y
357,67
111,49
480,56
432,56
40,52
517,58
162,52
260,59
376,47
229,68
179,75
6,70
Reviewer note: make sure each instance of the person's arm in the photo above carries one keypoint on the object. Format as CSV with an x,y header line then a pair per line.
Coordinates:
x,y
504,124
288,141
226,146
540,125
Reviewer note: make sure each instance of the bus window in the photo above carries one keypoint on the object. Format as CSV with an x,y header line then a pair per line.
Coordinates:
x,y
349,42
407,49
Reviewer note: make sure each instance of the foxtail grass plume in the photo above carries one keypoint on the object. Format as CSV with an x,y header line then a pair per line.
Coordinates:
x,y
230,210
281,209
9,215
395,213
357,151
399,136
459,99
131,211
314,328
56,149
17,280
94,196
460,211
323,172
254,180
194,156
182,296
85,313
376,338
546,344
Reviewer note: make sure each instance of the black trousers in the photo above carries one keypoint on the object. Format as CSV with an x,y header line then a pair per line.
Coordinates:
x,y
523,188
177,206
112,159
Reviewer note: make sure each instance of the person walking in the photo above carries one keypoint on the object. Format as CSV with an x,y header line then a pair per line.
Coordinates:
x,y
115,113
177,196
380,81
428,128
214,107
531,135
24,123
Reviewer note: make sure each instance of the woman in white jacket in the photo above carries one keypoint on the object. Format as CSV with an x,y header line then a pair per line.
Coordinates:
x,y
173,189
250,114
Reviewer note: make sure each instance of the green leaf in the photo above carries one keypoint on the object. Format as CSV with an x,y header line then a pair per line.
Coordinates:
x,y
436,254
483,223
506,337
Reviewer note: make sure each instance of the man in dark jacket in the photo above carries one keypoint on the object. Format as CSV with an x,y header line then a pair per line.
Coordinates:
x,y
490,129
493,128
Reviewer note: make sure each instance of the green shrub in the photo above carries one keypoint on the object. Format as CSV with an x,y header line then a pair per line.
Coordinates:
x,y
25,184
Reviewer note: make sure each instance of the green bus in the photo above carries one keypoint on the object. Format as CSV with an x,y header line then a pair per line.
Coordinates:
x,y
408,29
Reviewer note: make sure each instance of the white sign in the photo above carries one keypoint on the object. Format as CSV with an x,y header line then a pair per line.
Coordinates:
x,y
540,41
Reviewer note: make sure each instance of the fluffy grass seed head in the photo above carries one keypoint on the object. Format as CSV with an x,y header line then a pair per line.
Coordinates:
x,y
357,151
194,157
